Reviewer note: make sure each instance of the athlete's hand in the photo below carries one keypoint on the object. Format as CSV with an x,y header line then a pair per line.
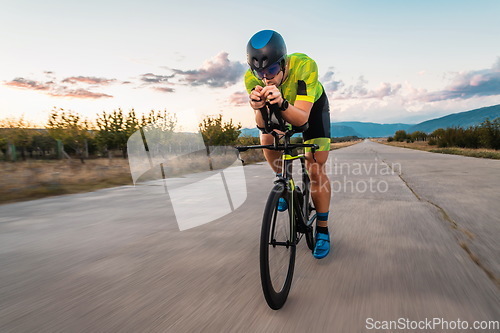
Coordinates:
x,y
257,100
272,94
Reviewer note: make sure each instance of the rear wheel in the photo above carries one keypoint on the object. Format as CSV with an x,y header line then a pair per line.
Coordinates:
x,y
310,239
308,210
277,249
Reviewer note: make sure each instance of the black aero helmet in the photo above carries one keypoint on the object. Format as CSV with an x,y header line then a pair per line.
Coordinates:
x,y
264,49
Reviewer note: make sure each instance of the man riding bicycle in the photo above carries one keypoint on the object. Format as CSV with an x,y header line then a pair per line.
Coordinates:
x,y
291,82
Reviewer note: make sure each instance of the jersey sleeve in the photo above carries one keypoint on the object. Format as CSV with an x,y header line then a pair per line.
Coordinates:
x,y
251,81
307,81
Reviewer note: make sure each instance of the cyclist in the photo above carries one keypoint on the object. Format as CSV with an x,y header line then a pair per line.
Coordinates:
x,y
291,82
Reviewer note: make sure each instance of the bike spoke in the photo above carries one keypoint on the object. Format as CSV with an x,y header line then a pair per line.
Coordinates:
x,y
279,249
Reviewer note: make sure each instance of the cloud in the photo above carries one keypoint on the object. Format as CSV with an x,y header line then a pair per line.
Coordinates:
x,y
239,98
153,78
329,83
88,80
465,85
20,82
359,90
395,102
58,89
164,89
150,78
216,72
78,93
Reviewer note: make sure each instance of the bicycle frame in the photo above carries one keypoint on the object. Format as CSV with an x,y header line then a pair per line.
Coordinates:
x,y
300,212
294,224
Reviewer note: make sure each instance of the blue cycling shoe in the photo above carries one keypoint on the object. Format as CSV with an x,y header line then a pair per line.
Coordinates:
x,y
322,247
282,205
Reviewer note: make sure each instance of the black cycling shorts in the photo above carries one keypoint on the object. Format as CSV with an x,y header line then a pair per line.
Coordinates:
x,y
319,120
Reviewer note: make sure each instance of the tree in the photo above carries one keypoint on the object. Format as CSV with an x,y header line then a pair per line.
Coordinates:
x,y
42,144
71,129
489,133
437,134
215,132
400,135
419,136
115,128
16,133
496,137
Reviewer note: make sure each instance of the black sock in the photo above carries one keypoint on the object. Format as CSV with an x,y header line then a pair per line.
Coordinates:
x,y
323,230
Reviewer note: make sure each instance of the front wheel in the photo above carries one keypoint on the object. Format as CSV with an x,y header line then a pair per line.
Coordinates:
x,y
277,249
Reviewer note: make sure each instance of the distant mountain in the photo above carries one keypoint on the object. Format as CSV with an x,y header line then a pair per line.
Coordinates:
x,y
250,132
366,130
462,119
352,128
338,131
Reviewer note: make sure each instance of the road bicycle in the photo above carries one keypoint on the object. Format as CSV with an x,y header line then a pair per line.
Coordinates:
x,y
282,230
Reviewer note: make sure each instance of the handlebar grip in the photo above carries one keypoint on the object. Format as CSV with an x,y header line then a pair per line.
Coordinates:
x,y
265,117
275,109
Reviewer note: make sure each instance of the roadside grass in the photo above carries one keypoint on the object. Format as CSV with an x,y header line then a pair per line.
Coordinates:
x,y
338,145
26,180
35,179
480,153
423,145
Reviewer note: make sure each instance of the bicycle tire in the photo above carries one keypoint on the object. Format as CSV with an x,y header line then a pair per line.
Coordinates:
x,y
307,209
276,281
310,233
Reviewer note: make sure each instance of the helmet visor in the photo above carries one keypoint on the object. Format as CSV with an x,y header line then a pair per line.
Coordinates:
x,y
268,72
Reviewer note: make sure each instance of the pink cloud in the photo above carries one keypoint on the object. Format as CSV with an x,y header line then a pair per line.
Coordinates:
x,y
78,93
239,98
88,80
52,88
359,90
216,72
28,84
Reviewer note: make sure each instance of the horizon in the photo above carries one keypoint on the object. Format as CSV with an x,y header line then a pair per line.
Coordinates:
x,y
379,63
331,122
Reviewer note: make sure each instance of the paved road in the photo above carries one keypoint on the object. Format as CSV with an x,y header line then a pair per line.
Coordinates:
x,y
421,243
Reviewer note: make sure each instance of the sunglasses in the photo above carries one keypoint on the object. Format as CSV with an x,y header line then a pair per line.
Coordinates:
x,y
268,72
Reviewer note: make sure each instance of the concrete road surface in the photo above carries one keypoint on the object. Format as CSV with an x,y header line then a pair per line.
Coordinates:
x,y
416,240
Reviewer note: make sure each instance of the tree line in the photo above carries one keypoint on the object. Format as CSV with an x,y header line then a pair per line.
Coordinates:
x,y
484,135
67,133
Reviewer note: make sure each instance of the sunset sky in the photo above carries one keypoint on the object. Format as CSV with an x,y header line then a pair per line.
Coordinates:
x,y
380,61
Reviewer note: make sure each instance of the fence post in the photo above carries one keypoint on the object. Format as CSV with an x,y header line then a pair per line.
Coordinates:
x,y
59,149
86,151
11,150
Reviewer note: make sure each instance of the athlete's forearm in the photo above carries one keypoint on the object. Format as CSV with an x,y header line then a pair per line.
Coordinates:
x,y
258,119
295,115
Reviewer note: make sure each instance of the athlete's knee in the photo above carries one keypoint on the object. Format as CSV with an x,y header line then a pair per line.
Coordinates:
x,y
319,158
266,139
316,164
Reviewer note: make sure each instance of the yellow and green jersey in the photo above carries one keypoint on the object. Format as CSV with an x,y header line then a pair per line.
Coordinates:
x,y
301,84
